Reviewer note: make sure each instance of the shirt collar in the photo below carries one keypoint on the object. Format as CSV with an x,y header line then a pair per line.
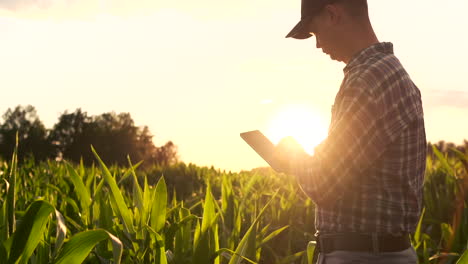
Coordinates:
x,y
360,57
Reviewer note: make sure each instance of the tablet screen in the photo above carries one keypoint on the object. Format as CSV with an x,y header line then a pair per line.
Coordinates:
x,y
261,144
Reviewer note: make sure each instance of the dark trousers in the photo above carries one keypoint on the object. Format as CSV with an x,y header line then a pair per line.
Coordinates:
x,y
407,256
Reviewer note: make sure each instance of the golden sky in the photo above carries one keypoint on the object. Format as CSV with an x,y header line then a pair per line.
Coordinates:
x,y
200,72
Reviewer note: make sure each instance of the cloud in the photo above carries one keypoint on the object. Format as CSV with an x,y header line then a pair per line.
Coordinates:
x,y
451,98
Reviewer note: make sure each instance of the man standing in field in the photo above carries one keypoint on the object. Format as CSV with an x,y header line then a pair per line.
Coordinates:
x,y
366,178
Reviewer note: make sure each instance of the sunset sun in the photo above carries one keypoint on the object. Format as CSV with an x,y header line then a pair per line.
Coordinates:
x,y
302,123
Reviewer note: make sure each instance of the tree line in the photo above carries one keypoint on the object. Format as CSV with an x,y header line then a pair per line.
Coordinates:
x,y
114,136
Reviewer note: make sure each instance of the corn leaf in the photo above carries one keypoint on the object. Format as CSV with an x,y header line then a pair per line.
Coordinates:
x,y
4,234
129,171
464,258
158,212
272,235
61,231
147,199
123,210
30,231
11,193
137,192
206,243
80,189
80,245
417,233
225,252
160,249
443,161
292,258
3,251
310,251
243,247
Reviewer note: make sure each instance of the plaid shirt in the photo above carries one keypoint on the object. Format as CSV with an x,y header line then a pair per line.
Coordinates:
x,y
367,176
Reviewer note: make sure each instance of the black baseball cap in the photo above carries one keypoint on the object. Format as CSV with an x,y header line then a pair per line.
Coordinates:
x,y
309,8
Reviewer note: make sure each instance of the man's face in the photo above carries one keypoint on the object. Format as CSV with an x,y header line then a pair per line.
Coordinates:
x,y
327,35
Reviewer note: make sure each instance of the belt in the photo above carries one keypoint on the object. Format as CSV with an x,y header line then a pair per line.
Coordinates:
x,y
362,242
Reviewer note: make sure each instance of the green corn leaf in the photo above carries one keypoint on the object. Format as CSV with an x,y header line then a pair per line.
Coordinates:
x,y
250,248
460,154
30,231
146,203
464,258
447,233
3,251
204,250
196,234
264,230
462,157
206,243
272,235
243,247
11,194
417,233
310,251
160,249
183,234
130,171
292,258
443,160
80,189
105,212
224,252
228,206
80,245
123,210
158,212
137,192
61,232
174,197
99,187
247,189
208,210
4,234
215,240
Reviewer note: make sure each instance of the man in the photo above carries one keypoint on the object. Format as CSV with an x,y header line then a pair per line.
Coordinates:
x,y
366,178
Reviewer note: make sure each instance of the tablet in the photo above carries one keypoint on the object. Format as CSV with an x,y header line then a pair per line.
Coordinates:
x,y
262,145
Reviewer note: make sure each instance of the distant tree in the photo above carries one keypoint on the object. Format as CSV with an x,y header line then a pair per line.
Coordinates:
x,y
145,146
167,154
114,136
32,134
69,135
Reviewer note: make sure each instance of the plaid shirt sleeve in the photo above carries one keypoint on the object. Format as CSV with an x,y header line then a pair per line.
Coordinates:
x,y
364,124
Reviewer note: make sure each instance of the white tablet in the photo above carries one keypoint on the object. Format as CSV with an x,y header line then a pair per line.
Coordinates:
x,y
262,145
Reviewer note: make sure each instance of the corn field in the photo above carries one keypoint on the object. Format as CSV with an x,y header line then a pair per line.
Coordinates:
x,y
58,212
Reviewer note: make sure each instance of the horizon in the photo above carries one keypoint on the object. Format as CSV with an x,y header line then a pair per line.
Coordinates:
x,y
200,74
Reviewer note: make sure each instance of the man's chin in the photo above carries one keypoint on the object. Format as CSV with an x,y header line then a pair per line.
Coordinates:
x,y
335,58
332,57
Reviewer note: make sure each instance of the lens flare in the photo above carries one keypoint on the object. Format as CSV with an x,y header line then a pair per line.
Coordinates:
x,y
302,123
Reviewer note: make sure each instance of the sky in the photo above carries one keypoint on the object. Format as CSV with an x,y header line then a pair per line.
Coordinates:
x,y
198,73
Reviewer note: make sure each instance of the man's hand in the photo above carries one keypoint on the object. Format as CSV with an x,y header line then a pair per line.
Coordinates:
x,y
288,154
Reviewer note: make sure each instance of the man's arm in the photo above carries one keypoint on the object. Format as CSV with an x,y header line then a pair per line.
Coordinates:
x,y
362,132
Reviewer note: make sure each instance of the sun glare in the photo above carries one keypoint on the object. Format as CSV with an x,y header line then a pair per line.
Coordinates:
x,y
302,123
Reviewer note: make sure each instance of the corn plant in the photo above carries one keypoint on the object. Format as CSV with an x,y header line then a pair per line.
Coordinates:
x,y
60,212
